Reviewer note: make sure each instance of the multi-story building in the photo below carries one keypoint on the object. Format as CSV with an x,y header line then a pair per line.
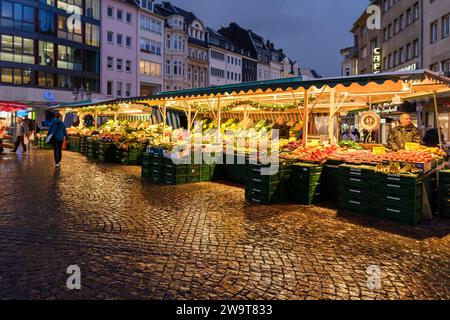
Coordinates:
x,y
186,50
151,48
276,61
437,35
225,60
349,66
402,29
51,48
119,48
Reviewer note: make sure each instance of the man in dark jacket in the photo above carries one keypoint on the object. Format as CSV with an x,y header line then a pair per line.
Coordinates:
x,y
58,129
405,132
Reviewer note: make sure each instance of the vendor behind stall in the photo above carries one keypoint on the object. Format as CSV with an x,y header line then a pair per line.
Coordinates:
x,y
282,127
405,132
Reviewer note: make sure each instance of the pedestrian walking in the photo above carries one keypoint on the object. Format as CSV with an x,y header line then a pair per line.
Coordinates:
x,y
57,132
21,133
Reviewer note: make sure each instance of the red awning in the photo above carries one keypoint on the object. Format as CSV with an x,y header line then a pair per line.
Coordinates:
x,y
8,106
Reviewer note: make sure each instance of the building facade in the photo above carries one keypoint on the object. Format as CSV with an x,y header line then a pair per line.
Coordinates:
x,y
151,49
119,48
349,66
225,60
437,35
49,49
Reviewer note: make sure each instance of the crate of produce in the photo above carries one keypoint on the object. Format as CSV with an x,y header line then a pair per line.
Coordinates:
x,y
74,143
411,217
106,152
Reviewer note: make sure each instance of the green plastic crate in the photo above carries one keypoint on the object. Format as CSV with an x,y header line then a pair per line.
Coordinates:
x,y
106,152
258,197
399,214
355,205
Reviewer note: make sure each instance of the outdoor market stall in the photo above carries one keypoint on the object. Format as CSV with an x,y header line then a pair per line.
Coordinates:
x,y
313,168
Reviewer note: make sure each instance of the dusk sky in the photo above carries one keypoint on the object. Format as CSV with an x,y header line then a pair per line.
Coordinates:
x,y
311,32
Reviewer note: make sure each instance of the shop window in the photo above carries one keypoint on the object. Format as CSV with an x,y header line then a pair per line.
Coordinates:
x,y
46,53
16,49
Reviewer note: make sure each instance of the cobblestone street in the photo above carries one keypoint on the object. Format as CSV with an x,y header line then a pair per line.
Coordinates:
x,y
134,240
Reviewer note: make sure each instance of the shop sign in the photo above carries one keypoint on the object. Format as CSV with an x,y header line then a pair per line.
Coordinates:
x,y
48,95
411,67
376,60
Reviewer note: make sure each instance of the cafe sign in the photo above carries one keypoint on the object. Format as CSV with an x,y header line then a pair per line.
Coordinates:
x,y
376,60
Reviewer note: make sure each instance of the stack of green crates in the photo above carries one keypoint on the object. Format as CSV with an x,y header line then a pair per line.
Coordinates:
x,y
444,193
235,171
74,143
267,187
92,149
305,183
132,156
355,192
83,144
398,197
329,182
41,144
106,152
145,165
157,168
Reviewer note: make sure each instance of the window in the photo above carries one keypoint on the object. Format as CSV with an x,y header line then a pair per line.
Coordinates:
x,y
401,54
47,22
64,4
16,49
65,81
364,52
416,11
150,24
128,66
168,67
69,58
385,34
110,37
416,48
17,16
16,76
109,88
46,79
446,65
168,41
217,55
128,90
110,12
446,26
408,52
408,17
119,39
148,68
92,34
435,67
219,73
150,46
92,63
46,53
74,34
119,89
109,62
119,15
147,4
128,42
396,27
119,64
434,32
129,17
401,22
93,9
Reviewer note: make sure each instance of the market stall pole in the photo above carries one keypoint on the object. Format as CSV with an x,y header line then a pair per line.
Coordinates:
x,y
438,124
306,118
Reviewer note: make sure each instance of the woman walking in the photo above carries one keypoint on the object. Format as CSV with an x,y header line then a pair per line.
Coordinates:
x,y
58,132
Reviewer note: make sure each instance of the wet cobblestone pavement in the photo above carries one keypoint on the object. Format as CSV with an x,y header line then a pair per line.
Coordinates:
x,y
133,240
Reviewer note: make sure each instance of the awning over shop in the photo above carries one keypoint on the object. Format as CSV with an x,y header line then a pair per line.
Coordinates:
x,y
7,106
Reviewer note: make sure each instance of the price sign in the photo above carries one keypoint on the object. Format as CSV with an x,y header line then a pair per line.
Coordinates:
x,y
379,150
411,146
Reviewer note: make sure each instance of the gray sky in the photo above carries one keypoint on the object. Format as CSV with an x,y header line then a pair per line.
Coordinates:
x,y
311,32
